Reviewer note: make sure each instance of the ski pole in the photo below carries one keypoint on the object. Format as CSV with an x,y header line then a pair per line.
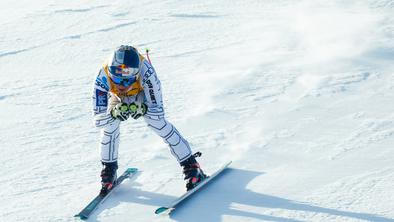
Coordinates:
x,y
147,55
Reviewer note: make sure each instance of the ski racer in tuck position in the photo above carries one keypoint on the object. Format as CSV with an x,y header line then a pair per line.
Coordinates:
x,y
127,87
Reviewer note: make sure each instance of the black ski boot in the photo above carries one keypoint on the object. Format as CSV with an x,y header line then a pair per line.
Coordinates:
x,y
108,177
192,171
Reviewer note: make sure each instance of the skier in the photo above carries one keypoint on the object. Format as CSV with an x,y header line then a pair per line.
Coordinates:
x,y
127,86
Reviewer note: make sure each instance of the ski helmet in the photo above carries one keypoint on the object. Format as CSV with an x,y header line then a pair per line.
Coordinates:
x,y
124,65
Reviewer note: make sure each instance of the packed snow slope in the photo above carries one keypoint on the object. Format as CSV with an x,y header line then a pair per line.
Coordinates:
x,y
299,94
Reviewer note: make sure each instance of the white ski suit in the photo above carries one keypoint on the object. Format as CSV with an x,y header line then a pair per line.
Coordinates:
x,y
146,89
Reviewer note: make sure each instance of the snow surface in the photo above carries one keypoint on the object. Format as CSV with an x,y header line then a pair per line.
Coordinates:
x,y
299,94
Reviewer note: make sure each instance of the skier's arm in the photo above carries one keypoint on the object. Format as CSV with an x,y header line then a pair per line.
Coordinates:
x,y
100,98
152,89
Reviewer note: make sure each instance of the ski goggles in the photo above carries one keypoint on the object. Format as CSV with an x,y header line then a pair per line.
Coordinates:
x,y
123,71
124,81
123,75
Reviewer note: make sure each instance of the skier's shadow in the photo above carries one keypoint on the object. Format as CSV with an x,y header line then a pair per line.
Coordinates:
x,y
216,200
220,197
138,196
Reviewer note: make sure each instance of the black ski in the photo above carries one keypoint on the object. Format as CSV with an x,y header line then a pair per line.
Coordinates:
x,y
88,210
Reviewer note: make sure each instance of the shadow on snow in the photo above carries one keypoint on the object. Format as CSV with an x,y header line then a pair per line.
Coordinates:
x,y
216,198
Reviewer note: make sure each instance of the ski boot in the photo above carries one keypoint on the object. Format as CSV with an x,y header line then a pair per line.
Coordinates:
x,y
192,171
108,177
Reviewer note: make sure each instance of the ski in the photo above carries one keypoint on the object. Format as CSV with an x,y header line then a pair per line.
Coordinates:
x,y
170,207
88,210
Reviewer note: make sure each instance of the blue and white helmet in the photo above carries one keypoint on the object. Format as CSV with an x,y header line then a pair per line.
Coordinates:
x,y
124,65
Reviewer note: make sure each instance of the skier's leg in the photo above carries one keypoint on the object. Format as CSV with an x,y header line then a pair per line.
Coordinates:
x,y
109,143
179,147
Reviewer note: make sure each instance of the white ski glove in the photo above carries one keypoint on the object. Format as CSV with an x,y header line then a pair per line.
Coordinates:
x,y
137,109
120,111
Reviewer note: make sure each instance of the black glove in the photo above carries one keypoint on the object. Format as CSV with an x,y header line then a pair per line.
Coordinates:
x,y
137,110
120,111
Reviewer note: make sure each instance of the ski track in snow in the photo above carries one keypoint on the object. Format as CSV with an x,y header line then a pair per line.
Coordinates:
x,y
70,37
298,95
363,192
